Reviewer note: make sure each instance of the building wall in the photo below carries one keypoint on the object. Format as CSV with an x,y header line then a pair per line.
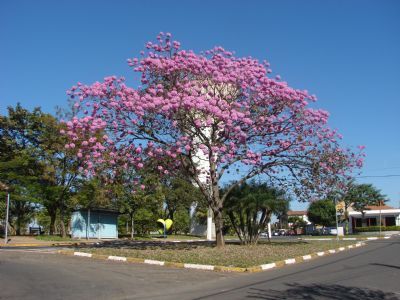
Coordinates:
x,y
102,225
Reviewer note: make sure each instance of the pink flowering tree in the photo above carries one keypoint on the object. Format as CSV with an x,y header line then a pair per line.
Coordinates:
x,y
212,115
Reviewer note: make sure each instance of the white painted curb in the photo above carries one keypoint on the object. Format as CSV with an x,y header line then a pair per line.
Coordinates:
x,y
349,239
372,238
268,266
200,267
387,237
118,258
290,261
211,268
83,254
154,262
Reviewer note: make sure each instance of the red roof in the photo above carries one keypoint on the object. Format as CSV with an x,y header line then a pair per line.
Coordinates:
x,y
378,207
297,212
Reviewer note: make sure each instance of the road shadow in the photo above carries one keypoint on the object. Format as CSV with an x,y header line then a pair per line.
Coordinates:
x,y
385,265
320,291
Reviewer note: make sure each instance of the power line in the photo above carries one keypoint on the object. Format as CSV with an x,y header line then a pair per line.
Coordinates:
x,y
387,168
370,176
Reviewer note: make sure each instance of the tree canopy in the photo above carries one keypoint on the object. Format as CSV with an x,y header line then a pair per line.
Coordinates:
x,y
250,207
322,212
211,114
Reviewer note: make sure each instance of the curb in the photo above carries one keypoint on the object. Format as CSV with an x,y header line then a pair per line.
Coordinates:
x,y
44,245
259,268
371,238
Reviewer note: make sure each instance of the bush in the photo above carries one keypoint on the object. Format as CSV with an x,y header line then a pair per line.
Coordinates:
x,y
376,228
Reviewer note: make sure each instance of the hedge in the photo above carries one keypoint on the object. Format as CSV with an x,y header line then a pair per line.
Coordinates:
x,y
376,228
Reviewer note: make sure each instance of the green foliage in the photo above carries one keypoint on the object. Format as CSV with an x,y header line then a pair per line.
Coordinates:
x,y
322,212
53,238
93,194
180,194
297,222
363,195
145,221
376,228
181,222
34,164
250,207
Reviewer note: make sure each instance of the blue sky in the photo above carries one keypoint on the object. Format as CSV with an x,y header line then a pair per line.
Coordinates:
x,y
345,52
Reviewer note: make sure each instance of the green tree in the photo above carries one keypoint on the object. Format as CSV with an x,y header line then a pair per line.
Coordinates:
x,y
297,222
250,207
322,212
142,204
363,195
179,194
181,221
35,163
20,166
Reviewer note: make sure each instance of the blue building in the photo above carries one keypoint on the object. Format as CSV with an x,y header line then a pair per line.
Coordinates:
x,y
94,224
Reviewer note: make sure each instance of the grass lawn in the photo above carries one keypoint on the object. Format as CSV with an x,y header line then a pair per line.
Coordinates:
x,y
233,255
180,237
171,237
52,238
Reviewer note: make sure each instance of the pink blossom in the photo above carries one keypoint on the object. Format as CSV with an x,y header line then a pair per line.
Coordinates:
x,y
209,101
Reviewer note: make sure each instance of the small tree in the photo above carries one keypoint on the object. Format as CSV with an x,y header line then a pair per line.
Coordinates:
x,y
322,212
181,221
363,195
297,222
179,195
250,207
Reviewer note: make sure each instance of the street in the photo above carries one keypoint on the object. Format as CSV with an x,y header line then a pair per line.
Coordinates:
x,y
369,272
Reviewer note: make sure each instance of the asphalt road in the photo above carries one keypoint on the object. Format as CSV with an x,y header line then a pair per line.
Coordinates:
x,y
369,272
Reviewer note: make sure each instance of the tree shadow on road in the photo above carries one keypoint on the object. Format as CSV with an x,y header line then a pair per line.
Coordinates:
x,y
320,291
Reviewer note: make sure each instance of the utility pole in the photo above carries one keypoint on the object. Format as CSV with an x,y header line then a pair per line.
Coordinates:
x,y
337,225
7,210
380,218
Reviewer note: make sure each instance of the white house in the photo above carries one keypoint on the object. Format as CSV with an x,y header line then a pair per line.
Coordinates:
x,y
388,216
302,214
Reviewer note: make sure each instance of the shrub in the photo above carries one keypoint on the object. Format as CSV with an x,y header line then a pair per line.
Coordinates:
x,y
376,228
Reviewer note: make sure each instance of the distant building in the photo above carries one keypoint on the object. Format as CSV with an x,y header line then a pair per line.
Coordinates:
x,y
94,224
302,214
388,215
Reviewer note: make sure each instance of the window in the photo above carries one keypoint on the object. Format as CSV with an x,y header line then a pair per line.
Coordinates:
x,y
390,221
358,222
371,222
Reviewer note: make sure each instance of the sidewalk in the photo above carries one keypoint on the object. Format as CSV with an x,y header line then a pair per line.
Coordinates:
x,y
31,241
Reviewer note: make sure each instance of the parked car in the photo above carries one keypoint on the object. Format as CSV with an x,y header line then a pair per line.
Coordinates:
x,y
325,231
280,232
333,231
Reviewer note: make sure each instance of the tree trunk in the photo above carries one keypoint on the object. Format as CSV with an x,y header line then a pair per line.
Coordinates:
x,y
216,203
52,228
132,227
18,229
63,231
219,223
